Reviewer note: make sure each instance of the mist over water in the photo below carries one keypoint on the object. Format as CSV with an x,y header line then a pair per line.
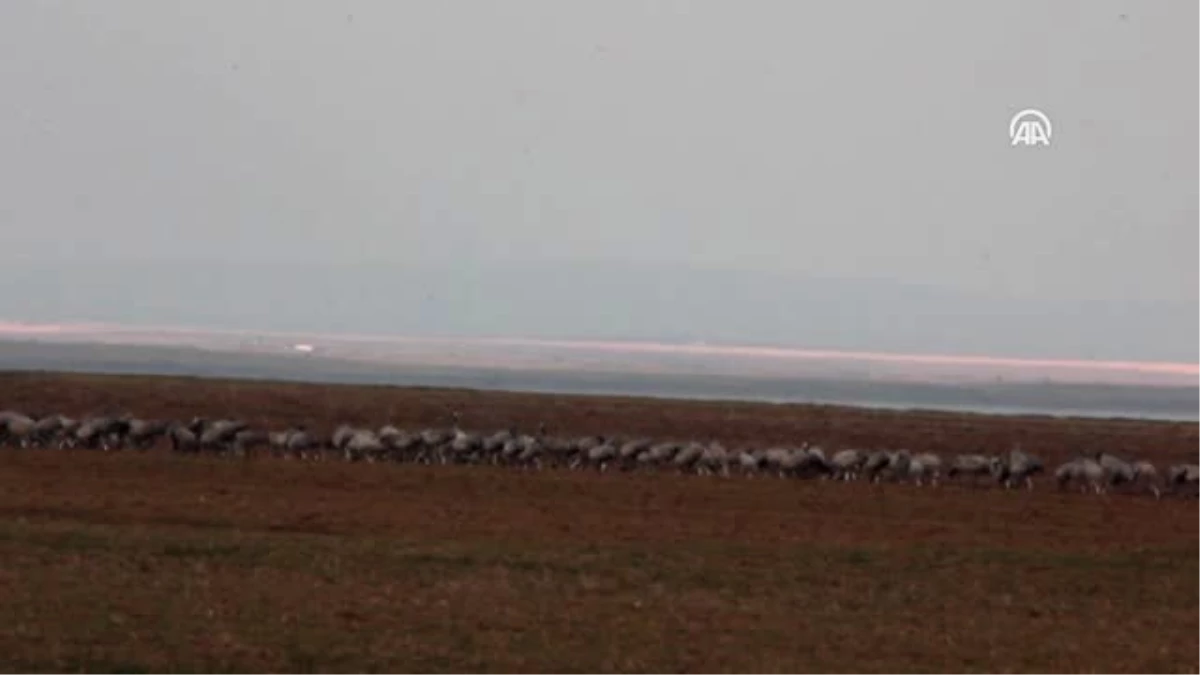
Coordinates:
x,y
1042,398
596,300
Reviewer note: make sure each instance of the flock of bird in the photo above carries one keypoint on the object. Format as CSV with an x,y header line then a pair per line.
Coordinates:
x,y
1098,472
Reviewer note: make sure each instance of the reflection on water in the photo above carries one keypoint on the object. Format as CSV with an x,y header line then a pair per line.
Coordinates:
x,y
1040,398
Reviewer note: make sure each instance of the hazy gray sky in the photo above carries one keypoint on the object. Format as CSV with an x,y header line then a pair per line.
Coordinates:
x,y
839,139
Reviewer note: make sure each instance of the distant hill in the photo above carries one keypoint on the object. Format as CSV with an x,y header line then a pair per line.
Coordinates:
x,y
597,301
1052,399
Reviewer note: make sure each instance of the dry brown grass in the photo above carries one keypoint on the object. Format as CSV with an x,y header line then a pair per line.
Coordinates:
x,y
134,562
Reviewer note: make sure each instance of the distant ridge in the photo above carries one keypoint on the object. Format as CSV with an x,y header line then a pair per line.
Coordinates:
x,y
607,301
1157,402
628,356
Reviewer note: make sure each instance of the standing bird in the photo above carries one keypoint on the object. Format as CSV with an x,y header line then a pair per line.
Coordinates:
x,y
245,441
1147,476
362,444
1085,471
847,463
974,466
926,466
1184,478
218,435
687,456
16,429
183,438
464,446
1018,467
602,454
142,434
714,460
1117,472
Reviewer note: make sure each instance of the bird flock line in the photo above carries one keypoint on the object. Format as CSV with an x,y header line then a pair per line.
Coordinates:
x,y
1098,472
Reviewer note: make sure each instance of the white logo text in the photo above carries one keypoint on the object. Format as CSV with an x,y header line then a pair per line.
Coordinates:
x,y
1029,127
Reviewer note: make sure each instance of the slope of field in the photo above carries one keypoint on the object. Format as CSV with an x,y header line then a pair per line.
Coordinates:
x,y
146,561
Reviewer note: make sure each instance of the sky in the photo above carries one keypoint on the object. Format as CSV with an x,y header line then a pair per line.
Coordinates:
x,y
611,170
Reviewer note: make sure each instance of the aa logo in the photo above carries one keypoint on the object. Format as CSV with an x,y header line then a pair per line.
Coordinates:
x,y
1029,127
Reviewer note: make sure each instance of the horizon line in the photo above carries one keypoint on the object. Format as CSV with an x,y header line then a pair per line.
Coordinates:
x,y
19,328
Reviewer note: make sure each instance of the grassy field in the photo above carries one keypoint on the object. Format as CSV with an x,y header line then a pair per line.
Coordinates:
x,y
132,562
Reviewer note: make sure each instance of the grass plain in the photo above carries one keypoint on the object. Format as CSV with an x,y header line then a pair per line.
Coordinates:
x,y
133,562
